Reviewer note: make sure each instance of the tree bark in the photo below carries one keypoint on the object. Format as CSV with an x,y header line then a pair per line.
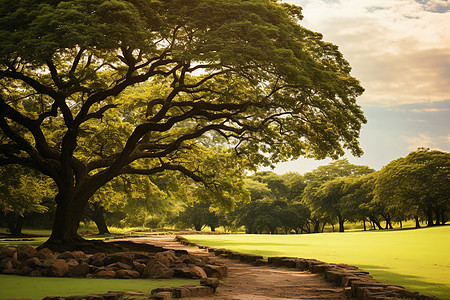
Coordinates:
x,y
416,218
438,216
429,213
15,223
341,221
70,207
376,222
97,214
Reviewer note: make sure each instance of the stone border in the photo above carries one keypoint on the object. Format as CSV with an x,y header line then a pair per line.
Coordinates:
x,y
164,264
357,283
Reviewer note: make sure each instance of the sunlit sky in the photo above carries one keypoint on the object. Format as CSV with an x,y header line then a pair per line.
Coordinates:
x,y
400,51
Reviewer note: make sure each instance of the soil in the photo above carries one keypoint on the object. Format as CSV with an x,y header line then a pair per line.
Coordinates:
x,y
248,282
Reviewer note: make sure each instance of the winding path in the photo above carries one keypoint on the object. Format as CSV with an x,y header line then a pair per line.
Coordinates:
x,y
248,282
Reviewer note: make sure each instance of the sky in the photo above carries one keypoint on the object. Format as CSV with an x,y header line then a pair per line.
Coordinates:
x,y
400,51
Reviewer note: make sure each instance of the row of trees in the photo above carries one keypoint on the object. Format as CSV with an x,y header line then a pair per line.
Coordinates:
x,y
416,187
412,188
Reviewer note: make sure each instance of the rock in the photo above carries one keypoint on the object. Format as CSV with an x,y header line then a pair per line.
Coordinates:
x,y
161,296
250,258
142,255
77,255
123,257
212,282
118,266
35,273
201,273
59,268
139,267
320,268
171,255
7,252
13,272
80,256
186,259
65,255
190,272
71,262
26,252
97,259
26,270
163,259
216,271
128,274
45,253
6,264
79,271
105,274
192,291
155,269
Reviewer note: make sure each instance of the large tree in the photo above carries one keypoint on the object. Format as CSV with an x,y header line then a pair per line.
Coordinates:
x,y
243,70
322,197
417,185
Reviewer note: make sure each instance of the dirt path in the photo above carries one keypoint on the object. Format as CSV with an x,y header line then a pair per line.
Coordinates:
x,y
247,282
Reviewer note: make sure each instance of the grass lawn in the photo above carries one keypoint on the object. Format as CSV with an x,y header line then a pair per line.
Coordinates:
x,y
419,259
20,287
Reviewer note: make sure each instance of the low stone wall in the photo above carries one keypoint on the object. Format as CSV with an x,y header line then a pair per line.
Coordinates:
x,y
358,284
27,261
207,287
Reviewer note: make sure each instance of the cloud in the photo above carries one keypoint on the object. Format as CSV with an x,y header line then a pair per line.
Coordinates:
x,y
421,110
441,143
437,6
399,49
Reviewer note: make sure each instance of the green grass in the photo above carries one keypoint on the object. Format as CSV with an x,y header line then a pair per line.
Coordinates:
x,y
18,242
419,259
39,287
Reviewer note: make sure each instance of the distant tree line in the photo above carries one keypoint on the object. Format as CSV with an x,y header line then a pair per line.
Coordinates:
x,y
416,187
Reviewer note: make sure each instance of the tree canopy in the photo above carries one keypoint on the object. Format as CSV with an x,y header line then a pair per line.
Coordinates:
x,y
417,185
244,74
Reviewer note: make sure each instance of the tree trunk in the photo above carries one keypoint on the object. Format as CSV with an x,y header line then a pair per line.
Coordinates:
x,y
401,224
376,222
198,226
341,221
15,223
316,226
438,216
429,214
442,211
416,218
97,214
364,223
69,212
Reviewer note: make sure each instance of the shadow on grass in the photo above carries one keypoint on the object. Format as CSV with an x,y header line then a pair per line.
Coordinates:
x,y
410,282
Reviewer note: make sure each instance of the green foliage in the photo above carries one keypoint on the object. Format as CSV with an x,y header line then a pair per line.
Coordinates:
x,y
325,190
418,184
273,205
22,191
220,74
